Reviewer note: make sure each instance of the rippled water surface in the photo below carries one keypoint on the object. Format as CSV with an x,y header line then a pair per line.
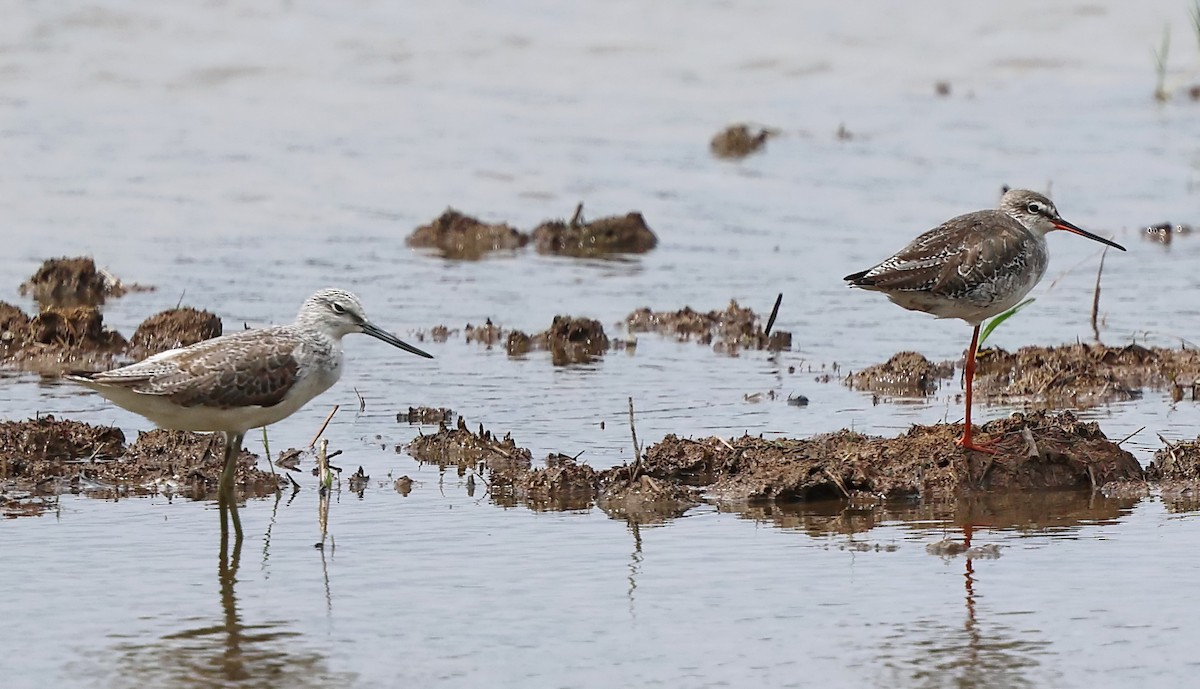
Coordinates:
x,y
239,156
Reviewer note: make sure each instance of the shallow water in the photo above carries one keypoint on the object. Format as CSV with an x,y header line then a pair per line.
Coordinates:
x,y
239,156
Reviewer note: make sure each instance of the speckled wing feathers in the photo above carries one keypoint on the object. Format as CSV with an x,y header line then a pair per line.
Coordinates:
x,y
255,368
964,258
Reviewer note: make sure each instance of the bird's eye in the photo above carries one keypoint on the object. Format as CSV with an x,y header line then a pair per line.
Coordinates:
x,y
337,308
1034,208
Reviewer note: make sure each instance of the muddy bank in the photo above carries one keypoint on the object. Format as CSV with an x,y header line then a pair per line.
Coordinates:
x,y
1083,375
727,330
563,483
1035,451
46,456
627,234
460,236
67,282
906,374
61,339
739,140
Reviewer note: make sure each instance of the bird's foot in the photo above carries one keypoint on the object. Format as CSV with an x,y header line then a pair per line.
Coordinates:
x,y
985,446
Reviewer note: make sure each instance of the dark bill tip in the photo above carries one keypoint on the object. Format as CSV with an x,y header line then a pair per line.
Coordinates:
x,y
381,334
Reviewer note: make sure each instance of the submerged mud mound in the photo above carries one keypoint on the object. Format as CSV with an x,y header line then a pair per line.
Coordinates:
x,y
172,329
73,282
738,141
905,374
1176,462
469,451
1082,374
617,234
1038,451
728,330
47,456
457,235
14,328
1166,232
426,415
58,338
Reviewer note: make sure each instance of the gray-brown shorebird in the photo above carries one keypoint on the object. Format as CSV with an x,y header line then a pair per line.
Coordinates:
x,y
973,267
244,380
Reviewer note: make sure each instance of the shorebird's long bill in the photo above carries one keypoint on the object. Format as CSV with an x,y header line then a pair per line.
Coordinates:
x,y
1064,225
381,334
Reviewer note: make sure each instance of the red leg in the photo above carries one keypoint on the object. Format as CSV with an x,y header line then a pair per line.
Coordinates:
x,y
969,371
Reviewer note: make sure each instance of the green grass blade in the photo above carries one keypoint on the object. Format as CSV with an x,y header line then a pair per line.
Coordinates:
x,y
995,322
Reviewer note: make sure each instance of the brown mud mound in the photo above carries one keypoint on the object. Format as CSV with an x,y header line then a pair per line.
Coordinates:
x,y
489,333
729,330
739,140
569,340
59,339
905,374
469,451
73,282
1166,232
1176,462
1037,451
457,235
47,456
1083,374
172,329
562,484
617,234
14,328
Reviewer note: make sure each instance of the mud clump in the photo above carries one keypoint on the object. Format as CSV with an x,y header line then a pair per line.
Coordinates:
x,y
14,328
68,282
905,374
469,451
172,329
489,333
1176,462
727,330
426,415
1037,451
569,340
738,141
1166,232
1082,375
460,236
49,456
627,234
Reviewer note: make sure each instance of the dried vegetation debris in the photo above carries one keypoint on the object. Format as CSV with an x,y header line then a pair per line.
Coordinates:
x,y
728,330
1178,461
905,374
461,236
74,282
47,455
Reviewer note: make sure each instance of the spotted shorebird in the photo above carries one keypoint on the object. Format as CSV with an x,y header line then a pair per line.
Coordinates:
x,y
244,380
973,267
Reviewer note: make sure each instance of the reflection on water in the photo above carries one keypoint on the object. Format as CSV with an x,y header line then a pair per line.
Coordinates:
x,y
940,651
225,650
1044,511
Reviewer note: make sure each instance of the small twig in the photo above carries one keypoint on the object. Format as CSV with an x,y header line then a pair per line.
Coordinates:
x,y
774,313
321,430
837,481
726,444
267,450
1030,443
578,216
637,450
1096,296
1131,435
180,302
362,403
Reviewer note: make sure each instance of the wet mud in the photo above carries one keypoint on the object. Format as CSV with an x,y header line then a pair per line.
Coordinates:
x,y
58,339
1083,375
48,456
906,374
66,282
739,140
172,329
426,415
728,330
1035,452
460,236
1176,462
569,339
628,234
